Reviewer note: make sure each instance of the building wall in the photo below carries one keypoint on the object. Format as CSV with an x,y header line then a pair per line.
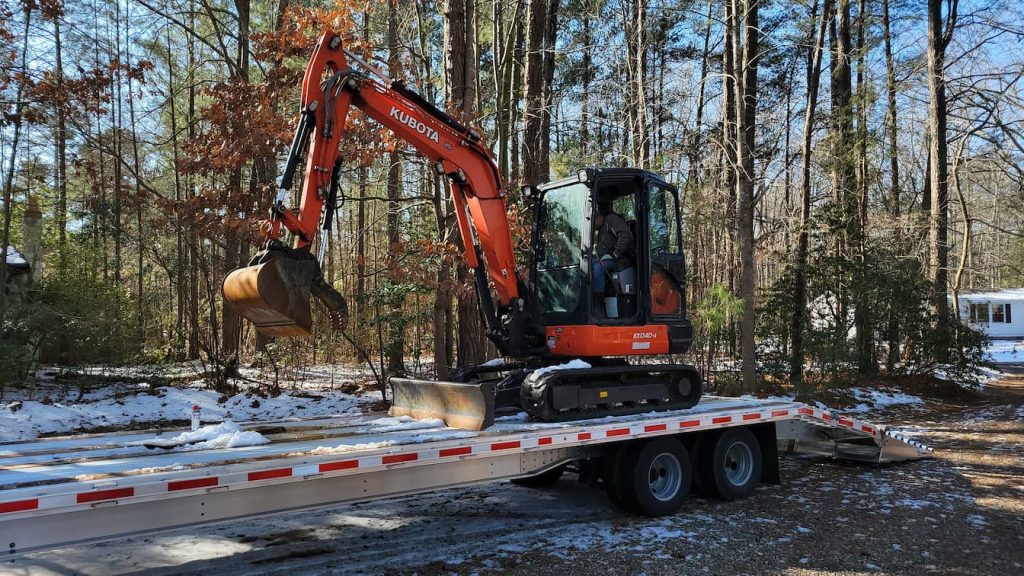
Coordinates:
x,y
1012,329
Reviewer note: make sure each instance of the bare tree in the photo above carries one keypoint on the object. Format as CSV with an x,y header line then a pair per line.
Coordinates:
x,y
745,61
938,248
814,58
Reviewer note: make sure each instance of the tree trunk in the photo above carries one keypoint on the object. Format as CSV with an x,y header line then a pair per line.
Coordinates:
x,y
461,83
396,340
140,321
745,60
862,319
194,342
729,134
62,148
938,248
534,171
635,25
231,322
892,328
548,64
796,328
19,107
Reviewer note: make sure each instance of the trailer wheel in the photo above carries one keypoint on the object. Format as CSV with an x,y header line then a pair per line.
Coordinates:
x,y
542,480
732,467
655,479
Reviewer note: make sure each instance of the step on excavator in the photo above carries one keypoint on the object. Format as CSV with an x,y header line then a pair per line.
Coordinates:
x,y
606,275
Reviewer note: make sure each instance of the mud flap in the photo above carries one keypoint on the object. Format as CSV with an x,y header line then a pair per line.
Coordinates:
x,y
460,405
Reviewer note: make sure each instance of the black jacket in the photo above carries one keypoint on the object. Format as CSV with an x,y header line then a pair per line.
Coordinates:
x,y
614,238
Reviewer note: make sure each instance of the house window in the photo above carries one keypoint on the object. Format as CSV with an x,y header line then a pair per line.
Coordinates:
x,y
1001,313
979,313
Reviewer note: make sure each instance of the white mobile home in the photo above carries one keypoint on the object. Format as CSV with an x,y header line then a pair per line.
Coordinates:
x,y
999,314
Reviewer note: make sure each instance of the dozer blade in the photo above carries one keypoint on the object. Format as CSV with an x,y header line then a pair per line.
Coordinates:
x,y
460,405
274,295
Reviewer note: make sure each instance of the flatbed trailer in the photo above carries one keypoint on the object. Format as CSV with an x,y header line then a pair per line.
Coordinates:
x,y
70,490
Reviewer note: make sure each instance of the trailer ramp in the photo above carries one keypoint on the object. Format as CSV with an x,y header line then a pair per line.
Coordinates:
x,y
823,432
68,490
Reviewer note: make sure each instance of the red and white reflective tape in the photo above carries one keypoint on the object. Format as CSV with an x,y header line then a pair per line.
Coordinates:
x,y
111,492
842,421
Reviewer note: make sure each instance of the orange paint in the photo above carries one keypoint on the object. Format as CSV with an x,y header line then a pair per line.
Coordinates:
x,y
607,340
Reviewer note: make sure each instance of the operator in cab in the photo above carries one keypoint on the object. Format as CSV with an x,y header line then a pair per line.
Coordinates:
x,y
613,247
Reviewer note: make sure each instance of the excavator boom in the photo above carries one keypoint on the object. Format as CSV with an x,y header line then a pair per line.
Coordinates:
x,y
274,291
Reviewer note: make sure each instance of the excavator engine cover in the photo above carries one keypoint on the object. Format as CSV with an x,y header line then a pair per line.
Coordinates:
x,y
274,292
460,405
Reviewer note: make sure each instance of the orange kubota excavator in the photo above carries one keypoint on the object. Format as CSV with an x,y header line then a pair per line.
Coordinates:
x,y
606,266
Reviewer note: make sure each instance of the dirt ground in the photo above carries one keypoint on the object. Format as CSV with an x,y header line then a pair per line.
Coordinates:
x,y
959,513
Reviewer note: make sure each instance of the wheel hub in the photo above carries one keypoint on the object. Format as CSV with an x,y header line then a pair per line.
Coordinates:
x,y
739,463
665,476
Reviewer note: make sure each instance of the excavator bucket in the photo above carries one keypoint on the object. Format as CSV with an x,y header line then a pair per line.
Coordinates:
x,y
274,294
460,405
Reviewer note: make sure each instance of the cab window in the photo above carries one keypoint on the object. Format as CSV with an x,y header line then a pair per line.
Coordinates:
x,y
666,254
558,274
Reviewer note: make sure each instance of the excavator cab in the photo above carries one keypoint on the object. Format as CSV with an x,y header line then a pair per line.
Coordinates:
x,y
608,259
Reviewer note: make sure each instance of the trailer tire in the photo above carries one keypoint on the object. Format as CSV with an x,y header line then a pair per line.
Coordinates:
x,y
654,478
542,480
612,475
731,467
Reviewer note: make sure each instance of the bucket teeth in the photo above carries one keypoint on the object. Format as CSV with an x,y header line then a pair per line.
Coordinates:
x,y
460,405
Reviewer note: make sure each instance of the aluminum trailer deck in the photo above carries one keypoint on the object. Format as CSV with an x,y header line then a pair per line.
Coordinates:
x,y
69,490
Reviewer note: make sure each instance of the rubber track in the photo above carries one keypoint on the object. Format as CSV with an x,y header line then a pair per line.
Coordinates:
x,y
535,393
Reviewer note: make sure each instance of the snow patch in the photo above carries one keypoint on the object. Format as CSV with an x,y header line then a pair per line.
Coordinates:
x,y
227,434
1005,351
418,438
494,363
570,365
873,399
915,504
15,258
401,423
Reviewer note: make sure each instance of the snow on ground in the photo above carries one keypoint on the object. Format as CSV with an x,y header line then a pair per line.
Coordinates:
x,y
227,434
15,258
1005,352
873,399
29,419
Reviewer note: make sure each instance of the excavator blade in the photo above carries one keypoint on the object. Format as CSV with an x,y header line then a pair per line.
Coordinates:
x,y
460,405
274,296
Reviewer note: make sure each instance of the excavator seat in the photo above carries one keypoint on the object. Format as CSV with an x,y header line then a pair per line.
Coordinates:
x,y
274,292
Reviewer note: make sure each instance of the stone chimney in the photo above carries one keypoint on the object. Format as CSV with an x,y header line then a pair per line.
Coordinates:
x,y
32,238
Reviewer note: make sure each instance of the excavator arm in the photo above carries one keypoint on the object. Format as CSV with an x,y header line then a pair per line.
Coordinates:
x,y
274,290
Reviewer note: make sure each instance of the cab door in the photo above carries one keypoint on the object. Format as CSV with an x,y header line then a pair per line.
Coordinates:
x,y
666,269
